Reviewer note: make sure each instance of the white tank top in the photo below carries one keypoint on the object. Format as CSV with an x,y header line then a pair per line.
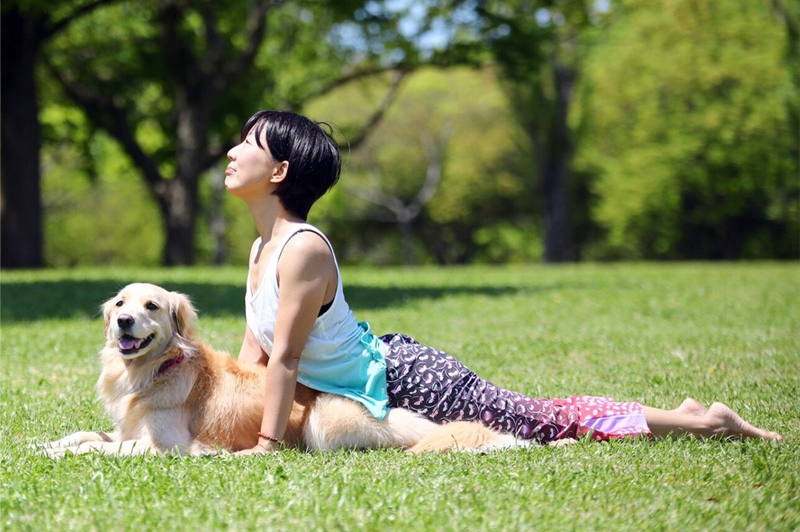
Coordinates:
x,y
341,356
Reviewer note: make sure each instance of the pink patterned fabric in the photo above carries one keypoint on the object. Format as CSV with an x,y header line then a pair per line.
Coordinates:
x,y
602,418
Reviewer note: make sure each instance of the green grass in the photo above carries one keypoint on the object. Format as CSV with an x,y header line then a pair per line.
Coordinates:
x,y
652,333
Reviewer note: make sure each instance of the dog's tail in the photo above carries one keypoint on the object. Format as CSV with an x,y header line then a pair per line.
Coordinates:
x,y
466,436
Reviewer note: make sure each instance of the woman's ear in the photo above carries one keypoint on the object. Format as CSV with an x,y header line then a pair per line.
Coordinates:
x,y
280,172
183,314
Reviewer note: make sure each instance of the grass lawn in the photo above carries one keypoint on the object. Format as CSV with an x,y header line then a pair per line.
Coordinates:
x,y
645,332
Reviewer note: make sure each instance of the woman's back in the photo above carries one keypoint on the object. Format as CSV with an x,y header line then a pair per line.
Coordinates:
x,y
341,355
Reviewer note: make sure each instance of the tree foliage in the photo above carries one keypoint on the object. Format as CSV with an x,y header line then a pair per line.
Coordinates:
x,y
458,119
173,84
538,46
683,117
690,132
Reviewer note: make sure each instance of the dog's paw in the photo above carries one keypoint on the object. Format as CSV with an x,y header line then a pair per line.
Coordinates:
x,y
37,448
42,448
57,453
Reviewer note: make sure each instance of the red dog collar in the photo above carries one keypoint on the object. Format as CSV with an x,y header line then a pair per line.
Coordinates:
x,y
169,364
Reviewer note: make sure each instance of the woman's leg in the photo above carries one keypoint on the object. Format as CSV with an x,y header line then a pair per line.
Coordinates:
x,y
430,382
438,386
694,419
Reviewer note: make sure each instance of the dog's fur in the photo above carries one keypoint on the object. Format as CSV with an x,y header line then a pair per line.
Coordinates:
x,y
170,393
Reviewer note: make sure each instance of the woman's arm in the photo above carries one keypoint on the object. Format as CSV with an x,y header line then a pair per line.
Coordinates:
x,y
306,273
251,351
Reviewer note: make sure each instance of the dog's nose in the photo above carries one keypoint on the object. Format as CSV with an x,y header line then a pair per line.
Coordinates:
x,y
125,320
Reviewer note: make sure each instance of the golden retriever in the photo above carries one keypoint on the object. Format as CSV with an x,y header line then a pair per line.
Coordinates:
x,y
167,392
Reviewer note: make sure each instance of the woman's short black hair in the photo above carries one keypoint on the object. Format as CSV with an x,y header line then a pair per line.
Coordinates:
x,y
314,158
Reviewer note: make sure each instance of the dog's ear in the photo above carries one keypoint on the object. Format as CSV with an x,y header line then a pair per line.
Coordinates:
x,y
182,312
106,309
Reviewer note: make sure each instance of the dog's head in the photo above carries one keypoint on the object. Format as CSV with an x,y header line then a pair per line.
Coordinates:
x,y
142,319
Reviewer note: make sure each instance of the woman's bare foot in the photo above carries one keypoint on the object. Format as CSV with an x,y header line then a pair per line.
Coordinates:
x,y
723,421
690,406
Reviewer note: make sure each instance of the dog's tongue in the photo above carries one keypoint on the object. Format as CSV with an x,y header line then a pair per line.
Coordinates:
x,y
129,342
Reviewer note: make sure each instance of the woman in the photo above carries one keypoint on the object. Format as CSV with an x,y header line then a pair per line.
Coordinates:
x,y
299,321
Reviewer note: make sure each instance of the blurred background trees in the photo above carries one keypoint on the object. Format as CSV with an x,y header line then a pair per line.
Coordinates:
x,y
689,133
491,131
442,178
26,27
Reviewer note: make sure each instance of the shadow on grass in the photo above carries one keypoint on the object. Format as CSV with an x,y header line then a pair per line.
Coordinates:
x,y
69,299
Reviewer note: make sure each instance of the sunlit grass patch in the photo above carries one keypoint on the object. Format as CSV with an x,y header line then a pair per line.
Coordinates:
x,y
654,333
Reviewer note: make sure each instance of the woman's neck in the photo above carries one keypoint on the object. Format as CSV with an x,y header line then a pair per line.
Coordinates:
x,y
271,218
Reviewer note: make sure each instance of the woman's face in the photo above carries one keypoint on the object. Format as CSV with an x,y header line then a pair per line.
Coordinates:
x,y
252,168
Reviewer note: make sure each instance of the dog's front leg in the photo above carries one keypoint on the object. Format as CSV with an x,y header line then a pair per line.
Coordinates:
x,y
78,438
120,448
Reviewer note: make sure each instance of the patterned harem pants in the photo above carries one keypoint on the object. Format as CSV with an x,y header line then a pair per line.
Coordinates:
x,y
436,385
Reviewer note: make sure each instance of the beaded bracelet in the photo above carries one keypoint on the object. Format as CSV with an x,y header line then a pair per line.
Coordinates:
x,y
269,438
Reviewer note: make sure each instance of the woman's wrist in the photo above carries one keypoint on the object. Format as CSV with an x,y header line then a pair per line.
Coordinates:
x,y
268,443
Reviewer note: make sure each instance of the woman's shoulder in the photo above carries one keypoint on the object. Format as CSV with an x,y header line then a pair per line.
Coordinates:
x,y
308,250
310,244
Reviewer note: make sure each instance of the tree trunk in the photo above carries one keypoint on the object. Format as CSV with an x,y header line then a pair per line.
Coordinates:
x,y
556,172
21,143
180,209
407,231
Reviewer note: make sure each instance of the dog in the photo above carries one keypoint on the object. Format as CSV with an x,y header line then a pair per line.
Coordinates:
x,y
169,393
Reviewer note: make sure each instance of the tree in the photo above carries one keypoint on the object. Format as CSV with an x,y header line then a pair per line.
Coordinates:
x,y
174,83
25,28
444,174
164,75
538,46
403,211
690,133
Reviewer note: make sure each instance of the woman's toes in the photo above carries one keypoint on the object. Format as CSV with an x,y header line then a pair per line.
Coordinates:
x,y
724,421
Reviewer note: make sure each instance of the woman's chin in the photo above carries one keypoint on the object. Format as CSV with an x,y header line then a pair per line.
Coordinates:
x,y
231,185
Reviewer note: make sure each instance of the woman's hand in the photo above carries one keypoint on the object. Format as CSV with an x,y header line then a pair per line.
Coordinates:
x,y
260,448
